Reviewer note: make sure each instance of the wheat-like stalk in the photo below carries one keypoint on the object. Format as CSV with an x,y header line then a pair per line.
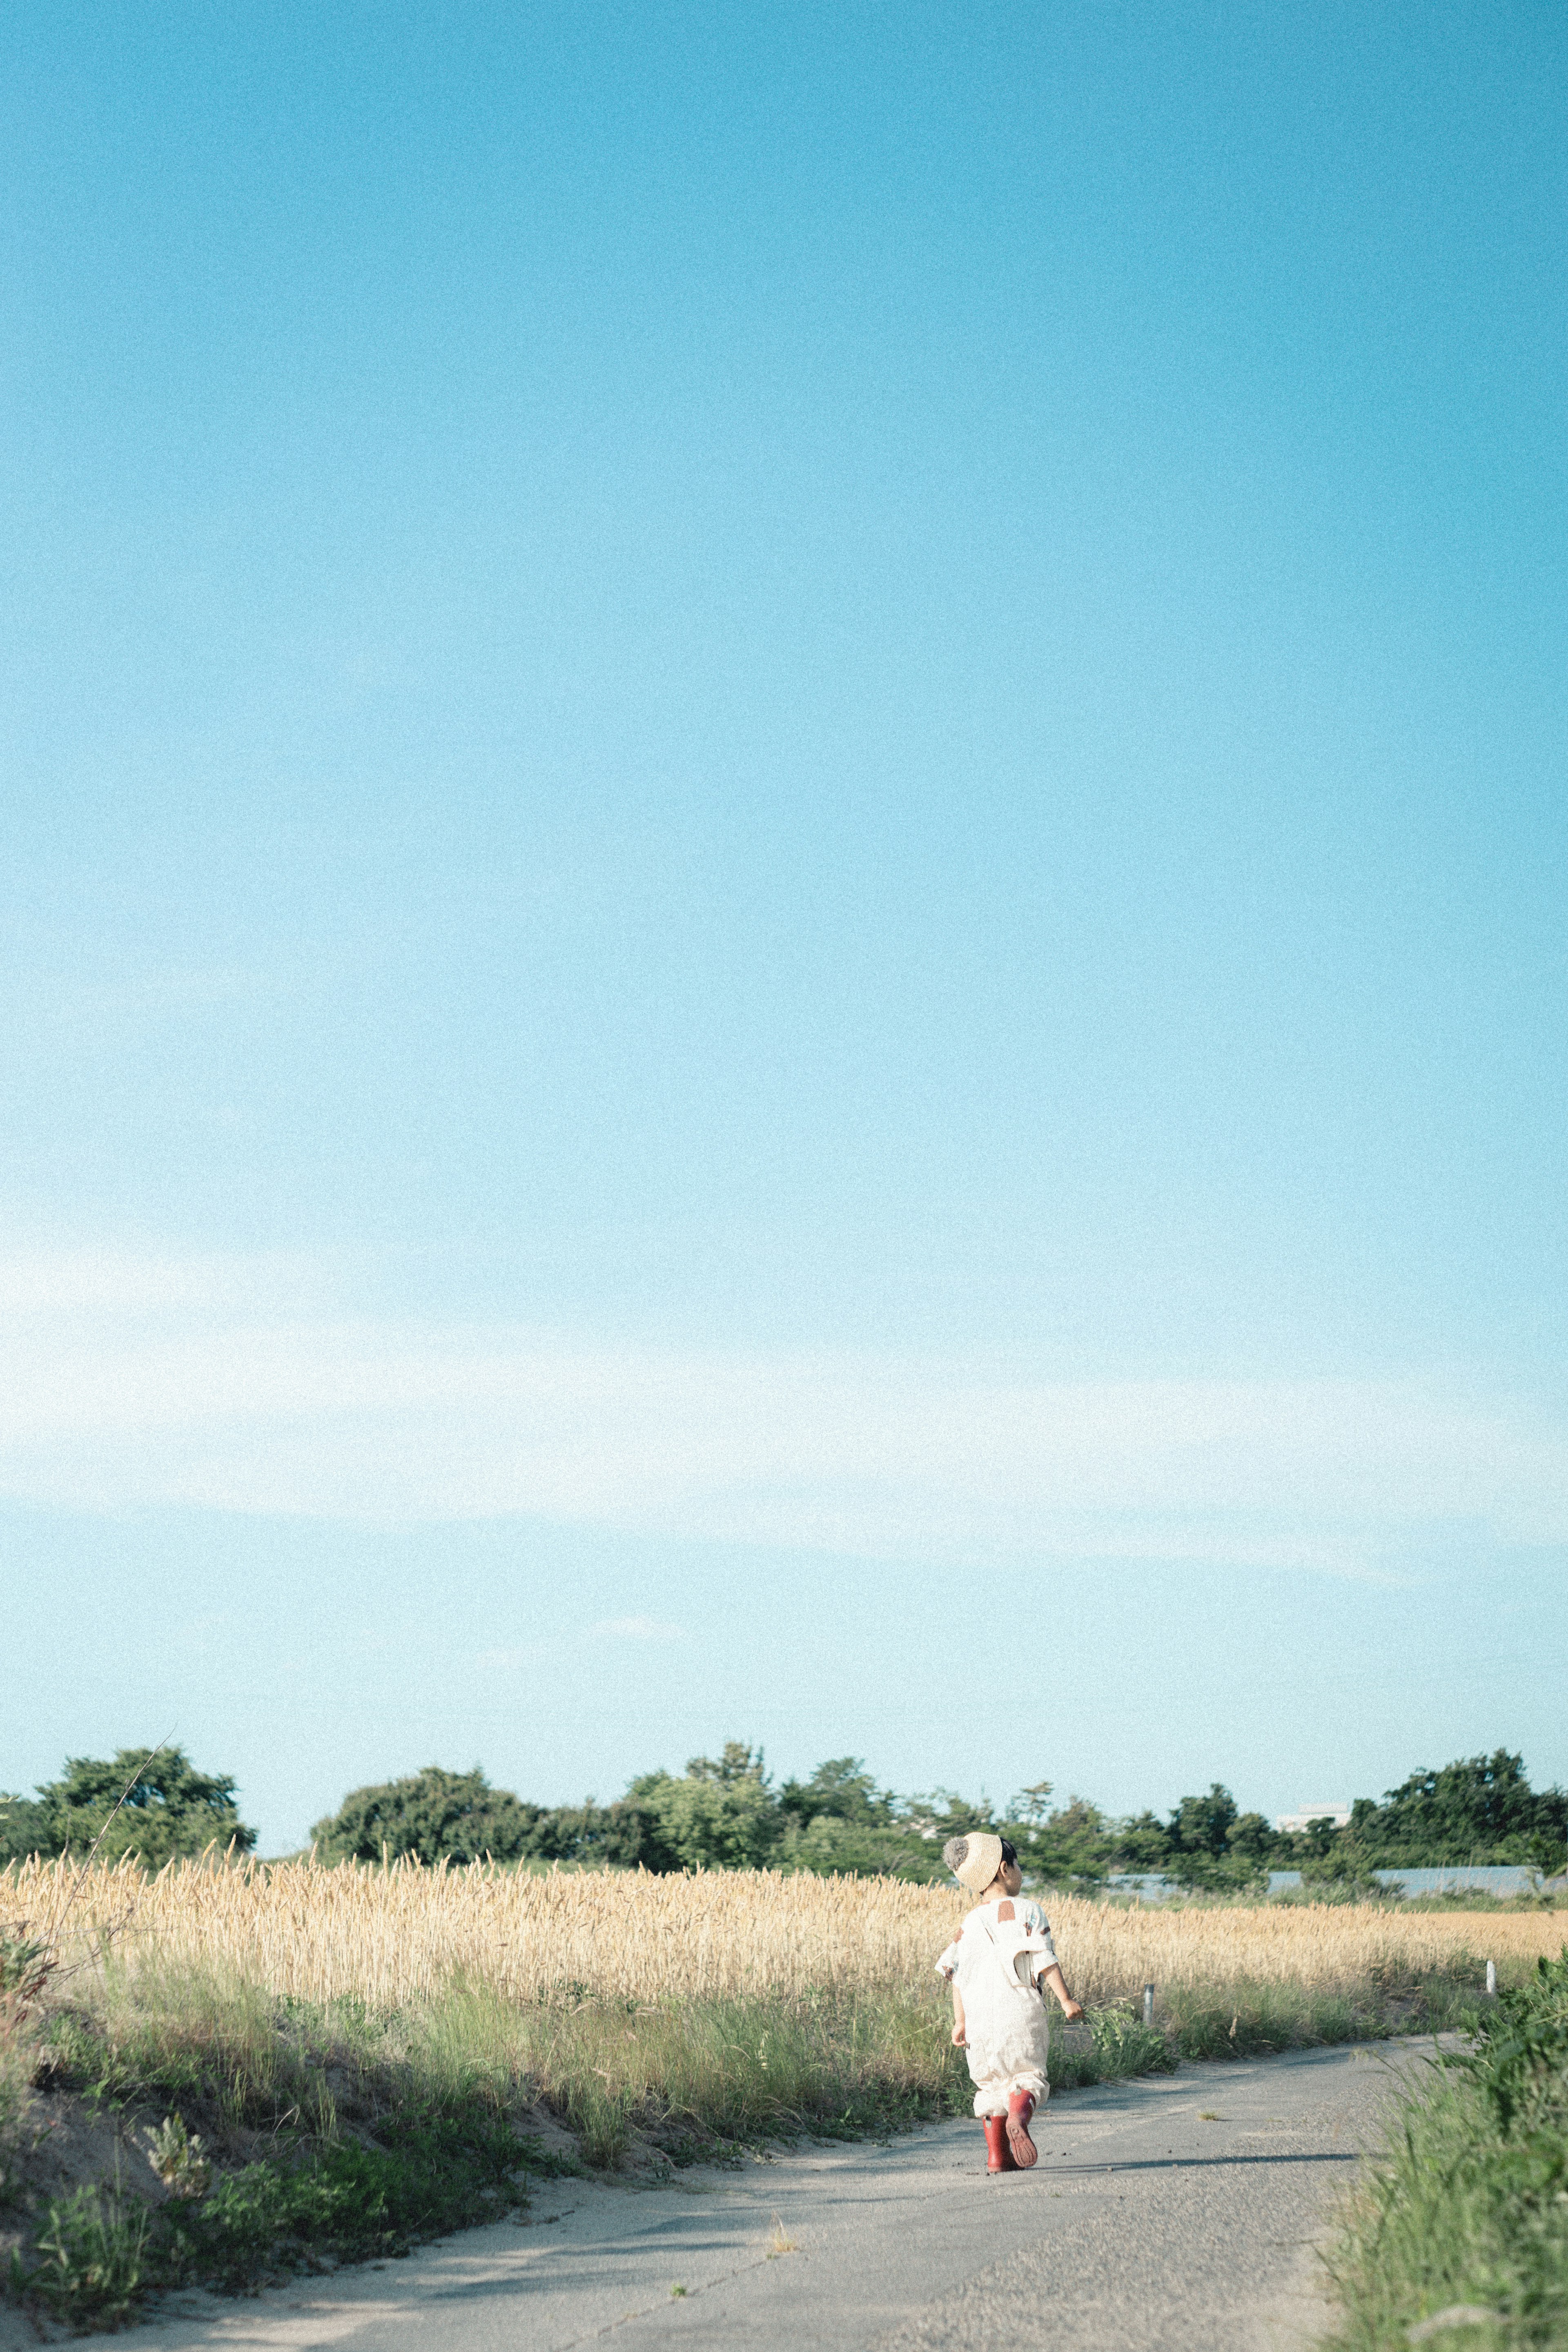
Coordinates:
x,y
401,1934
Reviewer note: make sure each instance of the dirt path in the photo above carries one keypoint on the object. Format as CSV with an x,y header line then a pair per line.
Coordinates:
x,y
1145,2226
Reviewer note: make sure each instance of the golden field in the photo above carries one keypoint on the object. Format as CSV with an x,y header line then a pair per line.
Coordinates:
x,y
406,1933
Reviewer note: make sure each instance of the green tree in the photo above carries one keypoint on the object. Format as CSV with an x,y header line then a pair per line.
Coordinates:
x,y
1032,1806
1341,1871
1317,1841
1207,1847
737,1761
1203,1824
24,1829
1069,1847
1255,1840
861,1849
841,1789
1487,1798
172,1809
433,1815
1478,1809
943,1813
839,1819
1546,1855
622,1835
720,1816
1142,1841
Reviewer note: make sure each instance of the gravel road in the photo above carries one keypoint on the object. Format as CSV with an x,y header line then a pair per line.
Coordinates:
x,y
1163,2214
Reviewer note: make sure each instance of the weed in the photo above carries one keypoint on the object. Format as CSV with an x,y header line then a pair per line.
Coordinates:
x,y
100,2251
178,2159
25,1962
18,2057
94,2249
1124,2046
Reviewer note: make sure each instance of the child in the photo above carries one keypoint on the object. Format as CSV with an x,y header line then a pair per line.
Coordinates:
x,y
999,1964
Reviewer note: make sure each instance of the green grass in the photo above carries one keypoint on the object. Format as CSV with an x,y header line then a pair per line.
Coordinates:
x,y
1465,2210
1255,2019
346,2200
378,2133
93,2264
696,2077
1123,2046
98,2252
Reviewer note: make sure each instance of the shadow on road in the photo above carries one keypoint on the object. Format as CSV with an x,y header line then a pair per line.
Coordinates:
x,y
1195,2163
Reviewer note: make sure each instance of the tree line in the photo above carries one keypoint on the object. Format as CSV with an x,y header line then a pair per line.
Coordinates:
x,y
727,1812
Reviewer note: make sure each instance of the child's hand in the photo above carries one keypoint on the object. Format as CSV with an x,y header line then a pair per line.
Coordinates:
x,y
960,2039
1072,2010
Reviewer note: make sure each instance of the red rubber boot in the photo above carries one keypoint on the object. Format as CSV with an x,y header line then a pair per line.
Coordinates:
x,y
1020,2147
998,2155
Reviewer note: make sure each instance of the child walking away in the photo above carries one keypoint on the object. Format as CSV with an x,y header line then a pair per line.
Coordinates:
x,y
999,1964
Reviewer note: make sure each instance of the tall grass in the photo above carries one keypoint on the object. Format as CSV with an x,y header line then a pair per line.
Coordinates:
x,y
389,1937
1460,2229
692,2075
725,2005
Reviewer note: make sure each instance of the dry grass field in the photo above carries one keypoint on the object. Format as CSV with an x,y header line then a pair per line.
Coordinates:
x,y
387,1938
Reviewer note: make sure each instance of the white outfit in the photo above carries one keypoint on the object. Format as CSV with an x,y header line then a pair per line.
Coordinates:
x,y
998,1957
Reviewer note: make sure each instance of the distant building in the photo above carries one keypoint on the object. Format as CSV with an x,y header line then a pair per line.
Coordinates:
x,y
1288,1823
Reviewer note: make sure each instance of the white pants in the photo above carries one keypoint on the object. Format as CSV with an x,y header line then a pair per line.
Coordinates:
x,y
991,2097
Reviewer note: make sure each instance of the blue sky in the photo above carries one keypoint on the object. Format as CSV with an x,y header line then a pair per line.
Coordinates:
x,y
783,891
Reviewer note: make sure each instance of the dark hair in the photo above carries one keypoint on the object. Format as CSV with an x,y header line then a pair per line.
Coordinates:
x,y
1009,1854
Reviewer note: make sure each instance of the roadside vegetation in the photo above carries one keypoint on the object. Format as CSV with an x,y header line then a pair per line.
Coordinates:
x,y
245,2129
236,2139
1459,2232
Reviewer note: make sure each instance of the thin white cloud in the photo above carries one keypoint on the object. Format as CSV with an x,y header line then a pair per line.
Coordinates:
x,y
62,1002
510,1658
100,1285
638,1629
229,1384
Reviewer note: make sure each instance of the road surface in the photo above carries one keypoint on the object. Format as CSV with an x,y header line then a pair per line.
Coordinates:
x,y
1165,2214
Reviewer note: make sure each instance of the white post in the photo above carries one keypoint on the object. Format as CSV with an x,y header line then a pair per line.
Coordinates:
x,y
1148,2004
1492,1981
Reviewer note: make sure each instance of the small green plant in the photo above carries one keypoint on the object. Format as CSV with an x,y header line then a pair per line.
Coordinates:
x,y
1124,2045
19,2055
24,1962
94,2254
179,2160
